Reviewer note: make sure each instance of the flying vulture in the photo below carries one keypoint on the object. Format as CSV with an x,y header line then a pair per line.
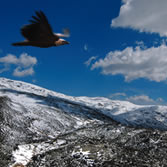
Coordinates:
x,y
39,33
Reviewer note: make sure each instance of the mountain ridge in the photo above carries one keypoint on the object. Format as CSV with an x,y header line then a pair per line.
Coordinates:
x,y
122,111
37,123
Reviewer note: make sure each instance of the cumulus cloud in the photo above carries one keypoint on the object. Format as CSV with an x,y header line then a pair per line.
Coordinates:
x,y
26,61
9,59
23,64
144,100
134,63
143,15
18,72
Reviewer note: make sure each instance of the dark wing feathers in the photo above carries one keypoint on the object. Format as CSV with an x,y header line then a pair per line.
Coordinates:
x,y
36,19
39,29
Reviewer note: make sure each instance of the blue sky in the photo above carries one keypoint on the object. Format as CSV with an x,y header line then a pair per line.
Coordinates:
x,y
117,48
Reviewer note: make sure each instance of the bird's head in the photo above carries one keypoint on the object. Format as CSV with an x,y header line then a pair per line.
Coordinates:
x,y
65,42
61,42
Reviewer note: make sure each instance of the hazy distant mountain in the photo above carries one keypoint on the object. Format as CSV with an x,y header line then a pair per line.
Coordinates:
x,y
42,128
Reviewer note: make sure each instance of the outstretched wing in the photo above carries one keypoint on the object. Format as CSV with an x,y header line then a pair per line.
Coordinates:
x,y
39,29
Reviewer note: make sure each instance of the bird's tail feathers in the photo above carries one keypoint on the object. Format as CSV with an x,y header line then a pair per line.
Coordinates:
x,y
24,43
66,32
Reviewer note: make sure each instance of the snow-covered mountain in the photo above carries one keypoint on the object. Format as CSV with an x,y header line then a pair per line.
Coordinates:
x,y
38,101
33,121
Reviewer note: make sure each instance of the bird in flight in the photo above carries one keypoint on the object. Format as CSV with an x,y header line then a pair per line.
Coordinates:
x,y
39,33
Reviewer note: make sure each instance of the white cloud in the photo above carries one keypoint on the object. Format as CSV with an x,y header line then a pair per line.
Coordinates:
x,y
25,60
143,15
137,99
144,100
24,64
116,95
18,72
9,59
134,63
88,62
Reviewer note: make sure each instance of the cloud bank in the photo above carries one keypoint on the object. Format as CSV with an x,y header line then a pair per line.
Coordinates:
x,y
134,63
137,99
143,15
23,64
144,100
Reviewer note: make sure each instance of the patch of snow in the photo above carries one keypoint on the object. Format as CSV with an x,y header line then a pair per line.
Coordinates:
x,y
24,153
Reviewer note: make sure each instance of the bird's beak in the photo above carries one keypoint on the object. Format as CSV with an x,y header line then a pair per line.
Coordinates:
x,y
66,42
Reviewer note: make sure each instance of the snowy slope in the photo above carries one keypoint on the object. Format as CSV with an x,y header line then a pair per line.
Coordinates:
x,y
43,112
121,111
